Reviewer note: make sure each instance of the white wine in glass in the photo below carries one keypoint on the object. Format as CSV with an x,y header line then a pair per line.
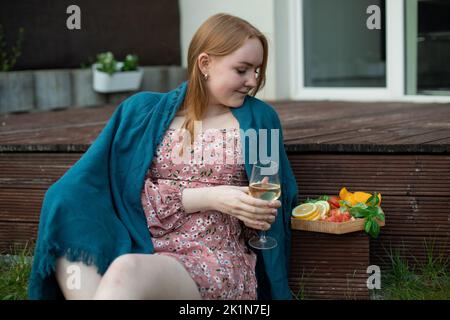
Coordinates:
x,y
265,191
264,184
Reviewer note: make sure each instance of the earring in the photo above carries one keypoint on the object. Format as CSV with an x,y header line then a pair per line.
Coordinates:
x,y
206,76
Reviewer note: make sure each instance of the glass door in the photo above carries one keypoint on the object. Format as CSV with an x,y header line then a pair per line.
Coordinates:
x,y
428,47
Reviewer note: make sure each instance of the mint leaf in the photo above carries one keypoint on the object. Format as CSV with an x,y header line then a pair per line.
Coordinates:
x,y
368,226
345,203
373,200
360,205
375,229
358,212
379,214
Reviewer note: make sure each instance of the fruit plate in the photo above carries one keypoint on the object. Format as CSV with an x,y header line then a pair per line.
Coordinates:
x,y
330,227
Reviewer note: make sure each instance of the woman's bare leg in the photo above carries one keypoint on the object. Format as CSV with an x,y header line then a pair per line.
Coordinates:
x,y
145,276
77,280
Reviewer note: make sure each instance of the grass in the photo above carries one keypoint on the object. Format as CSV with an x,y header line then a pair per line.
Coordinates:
x,y
350,294
300,294
430,280
14,272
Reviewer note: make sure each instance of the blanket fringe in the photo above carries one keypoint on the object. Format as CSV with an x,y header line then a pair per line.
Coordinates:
x,y
45,265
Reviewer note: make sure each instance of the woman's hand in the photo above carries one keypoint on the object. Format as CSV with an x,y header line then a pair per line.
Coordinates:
x,y
236,201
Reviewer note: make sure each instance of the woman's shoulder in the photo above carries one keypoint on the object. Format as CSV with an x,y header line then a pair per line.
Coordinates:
x,y
143,98
146,100
139,104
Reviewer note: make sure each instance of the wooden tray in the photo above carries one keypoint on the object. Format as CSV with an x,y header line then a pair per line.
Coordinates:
x,y
330,227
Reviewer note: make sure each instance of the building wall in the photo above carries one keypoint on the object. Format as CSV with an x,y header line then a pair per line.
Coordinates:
x,y
149,29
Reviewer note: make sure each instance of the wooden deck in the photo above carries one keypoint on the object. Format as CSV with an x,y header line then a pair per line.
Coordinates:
x,y
401,150
308,126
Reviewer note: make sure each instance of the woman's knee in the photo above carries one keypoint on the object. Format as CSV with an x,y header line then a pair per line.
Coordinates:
x,y
137,276
122,270
122,279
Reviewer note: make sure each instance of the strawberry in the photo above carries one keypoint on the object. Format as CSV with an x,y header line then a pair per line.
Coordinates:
x,y
346,216
334,201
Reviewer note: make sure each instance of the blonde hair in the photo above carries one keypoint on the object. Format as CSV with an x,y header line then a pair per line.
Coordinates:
x,y
220,35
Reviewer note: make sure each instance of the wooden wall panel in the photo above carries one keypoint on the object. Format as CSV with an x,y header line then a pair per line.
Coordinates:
x,y
327,266
415,196
24,179
415,190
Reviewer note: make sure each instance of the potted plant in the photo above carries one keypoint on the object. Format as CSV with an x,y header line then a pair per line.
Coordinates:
x,y
113,76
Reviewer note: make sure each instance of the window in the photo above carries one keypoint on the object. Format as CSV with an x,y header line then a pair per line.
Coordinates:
x,y
339,49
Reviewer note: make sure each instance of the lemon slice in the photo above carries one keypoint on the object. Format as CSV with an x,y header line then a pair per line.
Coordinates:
x,y
322,207
325,203
304,211
316,216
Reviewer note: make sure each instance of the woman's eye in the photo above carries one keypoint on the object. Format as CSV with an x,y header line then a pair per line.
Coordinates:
x,y
243,71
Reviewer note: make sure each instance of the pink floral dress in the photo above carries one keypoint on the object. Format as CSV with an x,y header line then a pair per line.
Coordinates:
x,y
209,244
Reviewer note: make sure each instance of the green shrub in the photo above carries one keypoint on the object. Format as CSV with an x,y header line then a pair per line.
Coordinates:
x,y
7,61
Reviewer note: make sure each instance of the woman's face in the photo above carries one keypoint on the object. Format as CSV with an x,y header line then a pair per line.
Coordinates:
x,y
231,77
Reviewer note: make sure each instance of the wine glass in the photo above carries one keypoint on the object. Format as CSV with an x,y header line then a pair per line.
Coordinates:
x,y
264,184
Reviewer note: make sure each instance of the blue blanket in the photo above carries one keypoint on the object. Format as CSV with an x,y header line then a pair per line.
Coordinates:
x,y
93,213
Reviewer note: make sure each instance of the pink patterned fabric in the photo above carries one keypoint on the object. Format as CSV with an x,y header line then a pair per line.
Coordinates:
x,y
210,245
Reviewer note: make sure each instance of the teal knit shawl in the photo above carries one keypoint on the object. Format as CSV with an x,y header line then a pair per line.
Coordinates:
x,y
93,213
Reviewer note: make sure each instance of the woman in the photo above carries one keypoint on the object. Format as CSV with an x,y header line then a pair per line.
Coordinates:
x,y
197,215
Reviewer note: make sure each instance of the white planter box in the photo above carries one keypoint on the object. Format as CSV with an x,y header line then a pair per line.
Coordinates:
x,y
118,82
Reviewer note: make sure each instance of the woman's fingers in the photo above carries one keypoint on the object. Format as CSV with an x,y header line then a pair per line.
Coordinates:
x,y
241,214
255,202
256,213
244,215
258,202
255,225
275,204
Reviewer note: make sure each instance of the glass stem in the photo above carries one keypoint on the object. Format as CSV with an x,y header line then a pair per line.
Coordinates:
x,y
262,237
